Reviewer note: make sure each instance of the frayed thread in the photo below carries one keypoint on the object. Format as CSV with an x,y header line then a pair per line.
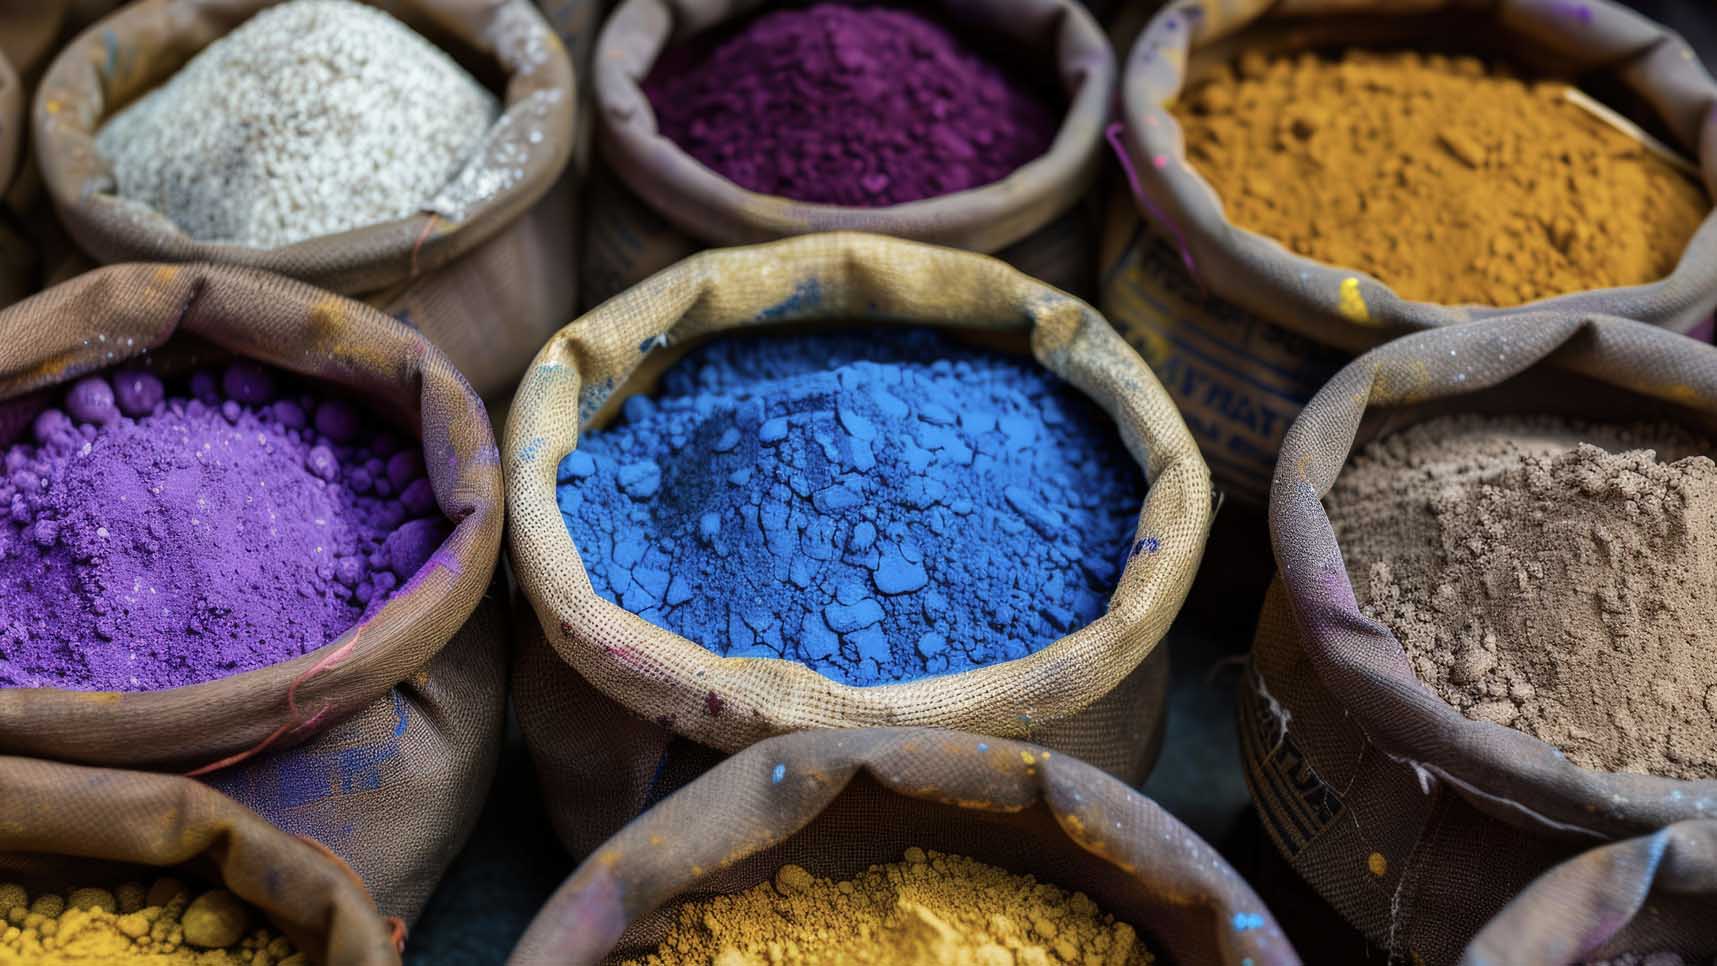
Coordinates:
x,y
1429,774
1281,715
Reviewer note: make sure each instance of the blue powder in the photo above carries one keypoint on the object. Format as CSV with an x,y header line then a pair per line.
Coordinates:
x,y
879,505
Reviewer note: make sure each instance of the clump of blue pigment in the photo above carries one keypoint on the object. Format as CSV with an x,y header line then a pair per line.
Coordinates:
x,y
880,505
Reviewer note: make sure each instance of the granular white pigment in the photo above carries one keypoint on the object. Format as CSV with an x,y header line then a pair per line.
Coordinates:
x,y
312,118
1553,576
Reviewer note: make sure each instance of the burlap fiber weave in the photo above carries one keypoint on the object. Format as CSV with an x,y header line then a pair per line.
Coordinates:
x,y
1415,822
602,694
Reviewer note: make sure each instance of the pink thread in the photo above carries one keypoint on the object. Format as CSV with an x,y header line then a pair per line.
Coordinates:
x,y
293,723
1113,134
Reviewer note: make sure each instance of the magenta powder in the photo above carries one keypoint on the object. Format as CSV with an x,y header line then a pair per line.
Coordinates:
x,y
855,106
149,541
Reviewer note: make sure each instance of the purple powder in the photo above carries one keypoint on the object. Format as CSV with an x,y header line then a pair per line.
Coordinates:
x,y
855,106
149,542
138,393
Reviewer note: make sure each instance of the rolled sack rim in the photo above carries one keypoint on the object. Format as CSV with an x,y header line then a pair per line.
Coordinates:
x,y
717,211
207,825
1505,772
1346,307
70,106
293,700
804,773
1609,886
645,667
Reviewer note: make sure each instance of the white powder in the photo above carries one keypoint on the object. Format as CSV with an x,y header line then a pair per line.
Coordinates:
x,y
312,118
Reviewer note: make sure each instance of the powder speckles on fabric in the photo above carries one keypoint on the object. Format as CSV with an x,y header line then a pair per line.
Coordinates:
x,y
879,506
1447,182
932,908
162,925
847,106
1546,584
312,118
149,542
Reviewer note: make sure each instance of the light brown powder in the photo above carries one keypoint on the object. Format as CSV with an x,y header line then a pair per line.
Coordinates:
x,y
1553,576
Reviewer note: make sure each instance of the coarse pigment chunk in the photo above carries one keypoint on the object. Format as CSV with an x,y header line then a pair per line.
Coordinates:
x,y
149,541
163,925
880,506
1557,577
312,118
931,909
1448,181
856,106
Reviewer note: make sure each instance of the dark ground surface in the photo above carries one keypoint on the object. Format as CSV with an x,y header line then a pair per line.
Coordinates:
x,y
513,862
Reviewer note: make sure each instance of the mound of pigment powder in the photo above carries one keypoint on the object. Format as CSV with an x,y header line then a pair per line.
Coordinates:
x,y
163,925
856,106
151,542
312,118
879,506
1554,576
930,909
1448,181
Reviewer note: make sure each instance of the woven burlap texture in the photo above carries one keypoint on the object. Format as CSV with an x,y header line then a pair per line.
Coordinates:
x,y
672,684
1244,331
835,802
664,204
1602,40
186,313
482,282
396,788
1646,895
1415,822
64,826
387,731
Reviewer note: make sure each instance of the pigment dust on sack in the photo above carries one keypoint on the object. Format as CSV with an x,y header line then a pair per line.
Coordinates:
x,y
162,925
151,540
1449,182
930,910
1550,575
312,118
856,106
879,506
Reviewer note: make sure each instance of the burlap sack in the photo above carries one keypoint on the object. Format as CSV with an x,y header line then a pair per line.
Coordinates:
x,y
836,802
396,788
62,826
575,23
17,261
395,731
603,696
1242,330
11,122
1647,895
29,30
1416,823
655,204
482,276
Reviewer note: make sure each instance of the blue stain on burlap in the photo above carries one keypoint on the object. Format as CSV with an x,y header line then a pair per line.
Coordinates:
x,y
879,505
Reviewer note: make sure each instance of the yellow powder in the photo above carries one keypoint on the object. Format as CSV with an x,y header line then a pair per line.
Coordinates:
x,y
1449,182
160,927
932,909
